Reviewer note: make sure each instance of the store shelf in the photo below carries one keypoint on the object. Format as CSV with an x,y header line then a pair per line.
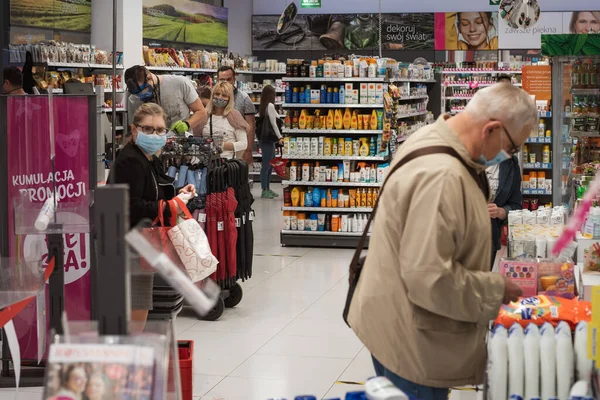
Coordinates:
x,y
335,158
539,192
539,140
330,209
572,115
584,92
181,69
458,98
335,184
78,65
412,80
537,165
468,84
307,79
120,128
279,73
585,133
330,105
414,97
322,239
329,131
61,91
322,233
107,110
257,103
478,71
416,114
256,155
260,91
544,114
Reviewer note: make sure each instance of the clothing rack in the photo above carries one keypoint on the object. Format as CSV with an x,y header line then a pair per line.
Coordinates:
x,y
223,208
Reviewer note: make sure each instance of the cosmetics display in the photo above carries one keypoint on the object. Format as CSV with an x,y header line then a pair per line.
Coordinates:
x,y
334,119
313,222
348,93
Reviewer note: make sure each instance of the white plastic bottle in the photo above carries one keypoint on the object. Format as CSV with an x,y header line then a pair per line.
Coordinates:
x,y
583,364
548,362
381,388
531,355
516,369
565,361
498,368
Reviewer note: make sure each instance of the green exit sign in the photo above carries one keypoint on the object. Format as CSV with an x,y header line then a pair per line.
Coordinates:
x,y
494,2
310,3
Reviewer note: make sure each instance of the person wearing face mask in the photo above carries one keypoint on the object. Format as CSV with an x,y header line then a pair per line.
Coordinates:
x,y
244,105
505,190
138,166
175,94
425,295
224,120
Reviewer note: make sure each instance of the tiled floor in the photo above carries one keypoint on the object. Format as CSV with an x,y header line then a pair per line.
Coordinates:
x,y
287,336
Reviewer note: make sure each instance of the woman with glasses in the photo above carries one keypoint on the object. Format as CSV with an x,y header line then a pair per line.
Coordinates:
x,y
138,166
225,121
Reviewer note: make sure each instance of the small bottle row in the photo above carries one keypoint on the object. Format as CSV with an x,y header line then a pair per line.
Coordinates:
x,y
334,119
531,157
537,180
362,93
295,221
330,198
346,171
332,146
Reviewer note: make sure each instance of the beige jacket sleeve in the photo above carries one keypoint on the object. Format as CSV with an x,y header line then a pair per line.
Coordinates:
x,y
433,277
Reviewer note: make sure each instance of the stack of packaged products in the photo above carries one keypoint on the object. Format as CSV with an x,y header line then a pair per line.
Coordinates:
x,y
534,233
334,120
59,52
346,171
58,78
348,93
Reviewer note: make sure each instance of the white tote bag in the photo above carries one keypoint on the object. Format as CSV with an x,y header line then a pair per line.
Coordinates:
x,y
192,246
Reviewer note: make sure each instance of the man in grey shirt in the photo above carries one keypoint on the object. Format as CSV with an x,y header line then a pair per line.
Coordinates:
x,y
174,93
244,105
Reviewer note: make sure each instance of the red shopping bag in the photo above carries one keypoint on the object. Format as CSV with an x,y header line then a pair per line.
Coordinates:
x,y
157,235
279,164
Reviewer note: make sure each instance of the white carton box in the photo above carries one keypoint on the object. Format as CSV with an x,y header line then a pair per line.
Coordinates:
x,y
364,93
371,93
379,93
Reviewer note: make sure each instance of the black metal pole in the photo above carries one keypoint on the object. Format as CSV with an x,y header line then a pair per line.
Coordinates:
x,y
56,282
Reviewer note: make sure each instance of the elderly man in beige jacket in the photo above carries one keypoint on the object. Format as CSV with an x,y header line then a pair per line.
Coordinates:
x,y
425,298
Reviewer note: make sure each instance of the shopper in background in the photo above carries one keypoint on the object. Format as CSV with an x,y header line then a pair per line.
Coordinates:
x,y
205,93
175,94
504,79
244,105
425,297
267,111
224,119
505,189
137,166
73,382
13,81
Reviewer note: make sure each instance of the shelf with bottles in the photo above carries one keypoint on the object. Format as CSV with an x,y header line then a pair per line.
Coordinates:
x,y
539,192
332,184
537,182
363,94
330,209
334,131
531,155
537,165
538,140
337,120
331,148
346,173
323,233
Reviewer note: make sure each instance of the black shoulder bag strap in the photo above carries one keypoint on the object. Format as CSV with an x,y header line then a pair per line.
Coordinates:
x,y
211,128
357,263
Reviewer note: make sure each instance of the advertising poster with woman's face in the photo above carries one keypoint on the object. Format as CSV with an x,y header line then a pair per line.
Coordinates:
x,y
581,22
466,31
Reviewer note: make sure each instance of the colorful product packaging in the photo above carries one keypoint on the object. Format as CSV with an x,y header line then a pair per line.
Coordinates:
x,y
522,273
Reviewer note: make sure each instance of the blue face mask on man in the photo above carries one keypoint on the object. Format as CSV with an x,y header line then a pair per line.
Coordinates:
x,y
150,144
145,92
499,158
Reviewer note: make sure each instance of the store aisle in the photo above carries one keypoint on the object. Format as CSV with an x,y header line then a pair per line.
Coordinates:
x,y
287,336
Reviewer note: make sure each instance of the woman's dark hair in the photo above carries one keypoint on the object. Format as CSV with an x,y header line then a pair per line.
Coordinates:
x,y
268,96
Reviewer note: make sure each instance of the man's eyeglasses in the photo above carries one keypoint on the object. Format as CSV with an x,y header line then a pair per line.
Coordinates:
x,y
514,149
149,130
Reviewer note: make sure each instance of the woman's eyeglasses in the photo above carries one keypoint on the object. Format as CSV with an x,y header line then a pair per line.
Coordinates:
x,y
149,130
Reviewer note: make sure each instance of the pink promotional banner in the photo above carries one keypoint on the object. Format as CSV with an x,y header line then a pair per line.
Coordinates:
x,y
31,181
